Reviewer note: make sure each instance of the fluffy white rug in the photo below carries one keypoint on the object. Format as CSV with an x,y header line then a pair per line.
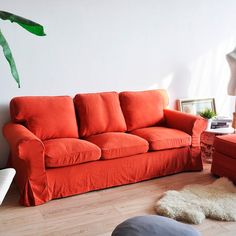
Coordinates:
x,y
196,202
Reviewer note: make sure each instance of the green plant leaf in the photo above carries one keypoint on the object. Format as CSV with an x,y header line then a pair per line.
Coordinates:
x,y
9,57
29,25
207,113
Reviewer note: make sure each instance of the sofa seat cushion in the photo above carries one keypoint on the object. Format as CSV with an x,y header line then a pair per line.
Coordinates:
x,y
117,144
143,108
160,138
99,113
69,151
48,117
226,144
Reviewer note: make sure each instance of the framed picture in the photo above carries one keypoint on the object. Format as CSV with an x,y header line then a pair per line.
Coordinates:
x,y
195,106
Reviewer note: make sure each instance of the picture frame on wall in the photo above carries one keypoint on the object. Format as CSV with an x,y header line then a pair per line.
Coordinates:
x,y
195,106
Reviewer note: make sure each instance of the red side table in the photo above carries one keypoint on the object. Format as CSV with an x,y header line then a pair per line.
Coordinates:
x,y
207,140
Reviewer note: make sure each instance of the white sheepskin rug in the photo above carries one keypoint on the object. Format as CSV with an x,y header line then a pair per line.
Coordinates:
x,y
196,202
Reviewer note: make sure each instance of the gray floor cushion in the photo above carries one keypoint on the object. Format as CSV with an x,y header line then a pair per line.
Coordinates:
x,y
153,226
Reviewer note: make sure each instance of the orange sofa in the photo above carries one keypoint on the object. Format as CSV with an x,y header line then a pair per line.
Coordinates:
x,y
61,146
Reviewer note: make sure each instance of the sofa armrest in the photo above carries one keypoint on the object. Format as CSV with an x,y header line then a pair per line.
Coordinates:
x,y
190,124
27,157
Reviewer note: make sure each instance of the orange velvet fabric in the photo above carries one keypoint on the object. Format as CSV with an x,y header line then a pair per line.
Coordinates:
x,y
160,138
116,144
69,151
99,113
27,157
46,117
144,108
107,173
226,144
190,124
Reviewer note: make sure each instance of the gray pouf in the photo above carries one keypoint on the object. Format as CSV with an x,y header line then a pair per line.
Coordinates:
x,y
153,226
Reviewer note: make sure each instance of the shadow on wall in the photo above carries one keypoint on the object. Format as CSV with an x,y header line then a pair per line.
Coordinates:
x,y
206,76
179,85
4,118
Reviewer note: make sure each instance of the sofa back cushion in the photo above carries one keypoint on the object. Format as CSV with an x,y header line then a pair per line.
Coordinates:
x,y
144,108
46,116
99,113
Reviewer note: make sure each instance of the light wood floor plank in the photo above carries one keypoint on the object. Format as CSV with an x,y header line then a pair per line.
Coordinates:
x,y
97,213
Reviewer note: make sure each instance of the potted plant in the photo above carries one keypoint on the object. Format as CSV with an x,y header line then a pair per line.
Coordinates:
x,y
208,114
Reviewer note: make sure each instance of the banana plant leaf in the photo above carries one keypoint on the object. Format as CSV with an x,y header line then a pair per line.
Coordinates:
x,y
29,25
8,54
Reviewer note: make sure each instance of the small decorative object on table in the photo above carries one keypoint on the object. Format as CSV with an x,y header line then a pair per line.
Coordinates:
x,y
221,122
208,114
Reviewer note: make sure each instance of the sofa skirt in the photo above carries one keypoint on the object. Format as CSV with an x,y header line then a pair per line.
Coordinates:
x,y
76,179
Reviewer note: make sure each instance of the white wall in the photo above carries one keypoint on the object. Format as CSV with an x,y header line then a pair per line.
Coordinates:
x,y
103,45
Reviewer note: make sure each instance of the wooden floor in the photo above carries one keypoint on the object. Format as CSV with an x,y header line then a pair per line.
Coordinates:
x,y
97,213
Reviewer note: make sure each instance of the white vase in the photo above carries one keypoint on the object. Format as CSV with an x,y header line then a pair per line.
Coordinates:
x,y
209,124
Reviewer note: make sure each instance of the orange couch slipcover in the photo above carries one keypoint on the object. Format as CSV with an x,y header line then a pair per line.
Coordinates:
x,y
53,162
